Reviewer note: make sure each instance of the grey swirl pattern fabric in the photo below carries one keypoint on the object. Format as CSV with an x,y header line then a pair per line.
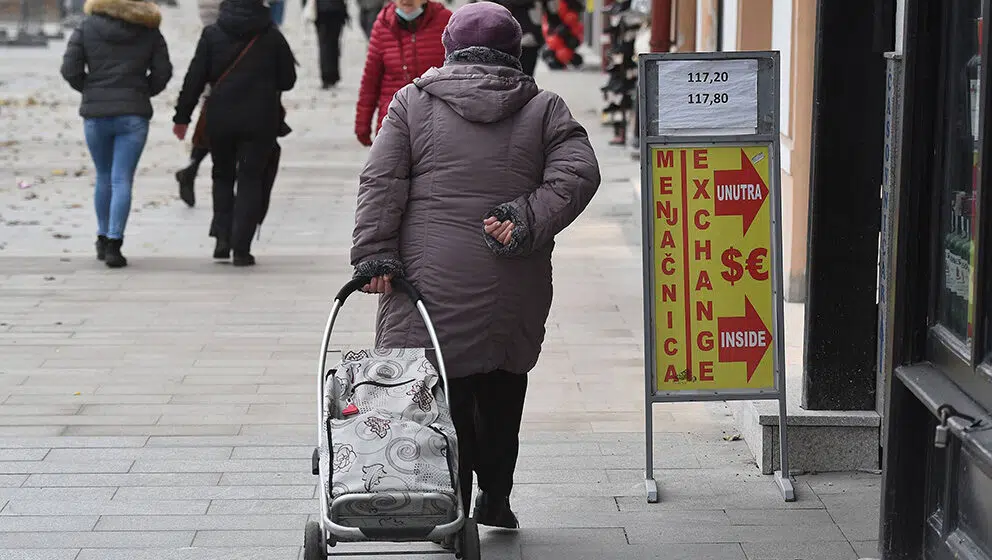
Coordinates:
x,y
400,445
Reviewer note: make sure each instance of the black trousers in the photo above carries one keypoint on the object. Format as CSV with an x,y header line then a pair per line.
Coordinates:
x,y
329,26
528,59
240,160
487,409
368,18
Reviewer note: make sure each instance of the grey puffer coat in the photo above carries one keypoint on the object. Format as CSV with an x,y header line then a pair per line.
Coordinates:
x,y
462,143
117,58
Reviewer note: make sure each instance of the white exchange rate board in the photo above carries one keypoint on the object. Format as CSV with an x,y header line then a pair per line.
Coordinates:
x,y
711,96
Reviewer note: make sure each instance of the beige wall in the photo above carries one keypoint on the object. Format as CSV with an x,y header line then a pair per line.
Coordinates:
x,y
795,181
696,25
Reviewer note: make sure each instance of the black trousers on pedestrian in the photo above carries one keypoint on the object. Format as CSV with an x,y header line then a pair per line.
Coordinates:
x,y
329,26
238,160
368,18
528,59
487,409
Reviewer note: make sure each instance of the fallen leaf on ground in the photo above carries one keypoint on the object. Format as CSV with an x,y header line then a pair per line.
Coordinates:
x,y
734,437
61,235
58,173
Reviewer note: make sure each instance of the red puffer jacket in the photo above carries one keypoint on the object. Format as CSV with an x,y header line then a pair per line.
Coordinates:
x,y
397,56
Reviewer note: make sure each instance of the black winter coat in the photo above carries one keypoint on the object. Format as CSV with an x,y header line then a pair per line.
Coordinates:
x,y
117,58
248,101
332,6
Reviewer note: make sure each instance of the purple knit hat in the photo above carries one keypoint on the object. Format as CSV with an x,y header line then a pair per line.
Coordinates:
x,y
482,24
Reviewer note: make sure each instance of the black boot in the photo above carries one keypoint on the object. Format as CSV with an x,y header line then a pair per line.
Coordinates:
x,y
222,250
494,511
186,178
114,258
243,259
101,247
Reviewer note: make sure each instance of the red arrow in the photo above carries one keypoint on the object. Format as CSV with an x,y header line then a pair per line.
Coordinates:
x,y
744,339
740,192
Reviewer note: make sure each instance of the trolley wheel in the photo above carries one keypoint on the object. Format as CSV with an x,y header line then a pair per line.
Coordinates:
x,y
313,546
471,548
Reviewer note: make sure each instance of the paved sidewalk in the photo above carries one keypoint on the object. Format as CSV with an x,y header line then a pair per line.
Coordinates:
x,y
166,411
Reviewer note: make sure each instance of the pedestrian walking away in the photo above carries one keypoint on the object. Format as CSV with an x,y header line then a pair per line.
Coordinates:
x,y
277,8
329,17
368,12
248,64
119,60
469,216
186,177
528,15
405,43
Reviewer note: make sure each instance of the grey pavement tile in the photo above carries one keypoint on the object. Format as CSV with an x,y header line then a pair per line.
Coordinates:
x,y
646,533
74,442
236,553
143,453
572,476
273,452
238,441
7,410
59,508
191,410
46,523
789,518
235,522
35,467
41,554
634,552
67,494
215,492
137,420
12,480
290,478
225,466
799,551
122,480
22,454
856,514
843,483
866,549
607,536
171,430
263,507
552,491
211,538
107,539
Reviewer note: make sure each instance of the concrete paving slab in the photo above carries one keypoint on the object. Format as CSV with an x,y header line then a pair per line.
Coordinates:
x,y
800,551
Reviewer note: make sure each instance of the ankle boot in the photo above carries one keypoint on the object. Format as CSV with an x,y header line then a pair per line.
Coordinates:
x,y
114,258
494,511
243,259
186,178
222,250
101,247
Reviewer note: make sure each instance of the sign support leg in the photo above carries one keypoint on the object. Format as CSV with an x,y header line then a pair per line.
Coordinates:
x,y
783,477
650,485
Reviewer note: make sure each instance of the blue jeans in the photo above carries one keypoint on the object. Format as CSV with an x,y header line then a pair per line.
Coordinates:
x,y
115,144
278,10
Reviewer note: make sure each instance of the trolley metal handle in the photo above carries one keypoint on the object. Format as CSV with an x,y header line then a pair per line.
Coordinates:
x,y
400,284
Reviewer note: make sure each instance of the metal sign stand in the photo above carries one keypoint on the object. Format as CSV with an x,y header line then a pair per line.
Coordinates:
x,y
709,125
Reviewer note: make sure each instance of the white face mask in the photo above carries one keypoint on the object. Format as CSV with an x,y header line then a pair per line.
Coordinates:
x,y
409,16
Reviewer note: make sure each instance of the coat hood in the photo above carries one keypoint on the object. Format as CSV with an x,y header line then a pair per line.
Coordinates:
x,y
121,21
480,93
244,18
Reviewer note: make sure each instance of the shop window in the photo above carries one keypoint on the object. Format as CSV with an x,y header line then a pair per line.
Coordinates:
x,y
960,141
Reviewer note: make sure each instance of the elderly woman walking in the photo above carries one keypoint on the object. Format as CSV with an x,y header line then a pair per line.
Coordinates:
x,y
473,174
119,60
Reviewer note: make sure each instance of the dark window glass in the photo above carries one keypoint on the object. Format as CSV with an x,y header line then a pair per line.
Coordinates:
x,y
960,180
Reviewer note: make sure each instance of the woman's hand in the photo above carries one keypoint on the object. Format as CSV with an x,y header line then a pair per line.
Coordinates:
x,y
500,231
379,285
180,130
364,138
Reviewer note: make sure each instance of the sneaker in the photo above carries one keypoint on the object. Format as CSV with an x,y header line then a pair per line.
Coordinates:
x,y
101,247
114,258
494,511
186,178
